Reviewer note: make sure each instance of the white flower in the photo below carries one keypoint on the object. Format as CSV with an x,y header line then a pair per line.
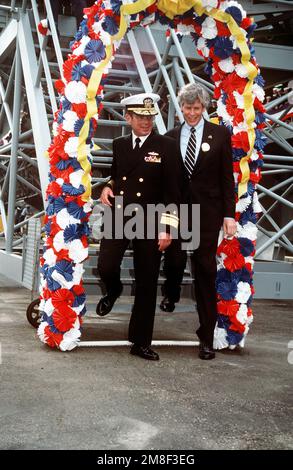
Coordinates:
x,y
202,46
209,28
70,339
75,92
258,92
243,292
255,204
63,219
239,99
254,155
241,315
71,146
226,65
225,5
77,252
50,257
222,111
209,4
220,338
60,181
75,178
248,230
61,280
48,307
241,70
243,203
185,29
80,49
88,206
69,119
55,128
77,273
58,241
241,127
41,331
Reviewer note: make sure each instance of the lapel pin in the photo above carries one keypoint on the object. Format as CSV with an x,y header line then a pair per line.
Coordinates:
x,y
210,137
205,147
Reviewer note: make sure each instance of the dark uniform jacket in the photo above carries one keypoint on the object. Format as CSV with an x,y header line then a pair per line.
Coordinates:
x,y
146,176
211,184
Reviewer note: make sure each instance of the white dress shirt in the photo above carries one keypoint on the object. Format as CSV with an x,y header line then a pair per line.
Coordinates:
x,y
185,135
141,137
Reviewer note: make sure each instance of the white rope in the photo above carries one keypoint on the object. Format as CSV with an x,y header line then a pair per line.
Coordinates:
x,y
168,342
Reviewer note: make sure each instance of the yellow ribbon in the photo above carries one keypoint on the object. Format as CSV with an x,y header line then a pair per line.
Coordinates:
x,y
173,8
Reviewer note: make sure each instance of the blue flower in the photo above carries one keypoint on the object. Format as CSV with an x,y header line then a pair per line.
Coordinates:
x,y
110,26
76,211
260,140
63,164
227,290
71,233
95,51
69,189
116,5
235,13
259,80
76,72
66,105
52,284
248,216
79,300
65,269
50,208
59,204
223,47
223,322
77,126
86,70
50,321
241,275
233,337
246,246
259,117
238,153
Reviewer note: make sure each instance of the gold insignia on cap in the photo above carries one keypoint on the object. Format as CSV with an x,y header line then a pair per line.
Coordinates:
x,y
148,103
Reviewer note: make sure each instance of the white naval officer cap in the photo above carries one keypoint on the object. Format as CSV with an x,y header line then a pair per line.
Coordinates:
x,y
142,104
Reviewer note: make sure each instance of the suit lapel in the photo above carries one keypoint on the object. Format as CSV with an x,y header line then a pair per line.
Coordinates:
x,y
201,155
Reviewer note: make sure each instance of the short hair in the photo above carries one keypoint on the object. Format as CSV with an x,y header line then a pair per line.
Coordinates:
x,y
192,92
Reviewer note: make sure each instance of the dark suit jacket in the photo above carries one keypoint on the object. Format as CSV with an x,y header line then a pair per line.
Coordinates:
x,y
212,183
149,176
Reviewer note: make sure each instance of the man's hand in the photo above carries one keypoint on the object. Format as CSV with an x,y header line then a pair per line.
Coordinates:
x,y
106,193
164,240
229,227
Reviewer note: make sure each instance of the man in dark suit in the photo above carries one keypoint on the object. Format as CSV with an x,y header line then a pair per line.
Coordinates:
x,y
143,174
205,156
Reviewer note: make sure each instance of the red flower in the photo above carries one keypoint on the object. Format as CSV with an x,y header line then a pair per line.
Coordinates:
x,y
240,141
60,85
232,82
229,247
62,295
236,326
64,317
234,263
222,28
228,307
246,22
80,109
237,116
54,189
78,289
52,339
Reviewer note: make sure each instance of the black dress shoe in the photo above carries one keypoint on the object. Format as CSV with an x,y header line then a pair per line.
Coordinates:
x,y
105,305
206,352
145,352
167,305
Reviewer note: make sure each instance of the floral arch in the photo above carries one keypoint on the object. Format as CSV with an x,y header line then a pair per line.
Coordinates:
x,y
222,33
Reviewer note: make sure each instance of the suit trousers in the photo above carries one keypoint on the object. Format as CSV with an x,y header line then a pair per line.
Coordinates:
x,y
146,259
174,265
204,267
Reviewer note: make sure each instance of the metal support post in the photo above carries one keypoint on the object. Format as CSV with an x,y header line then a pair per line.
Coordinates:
x,y
14,148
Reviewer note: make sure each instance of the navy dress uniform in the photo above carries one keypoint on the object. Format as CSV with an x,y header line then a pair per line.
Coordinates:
x,y
142,173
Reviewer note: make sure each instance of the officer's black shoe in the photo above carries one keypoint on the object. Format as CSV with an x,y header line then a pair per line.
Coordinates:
x,y
105,305
206,352
167,305
145,352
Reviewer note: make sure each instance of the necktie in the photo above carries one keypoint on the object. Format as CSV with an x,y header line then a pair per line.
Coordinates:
x,y
137,142
189,160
